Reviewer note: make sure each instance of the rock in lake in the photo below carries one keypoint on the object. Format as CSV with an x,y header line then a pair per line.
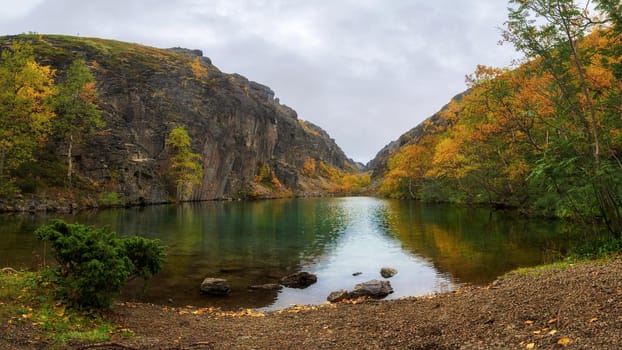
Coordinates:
x,y
215,286
267,286
299,280
374,289
388,272
337,296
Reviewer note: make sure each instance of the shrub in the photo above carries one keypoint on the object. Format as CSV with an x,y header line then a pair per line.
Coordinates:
x,y
94,265
109,199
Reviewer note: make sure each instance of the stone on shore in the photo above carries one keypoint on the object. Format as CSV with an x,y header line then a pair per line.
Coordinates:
x,y
337,296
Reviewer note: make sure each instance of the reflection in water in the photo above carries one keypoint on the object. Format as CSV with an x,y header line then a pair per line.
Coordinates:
x,y
247,243
476,245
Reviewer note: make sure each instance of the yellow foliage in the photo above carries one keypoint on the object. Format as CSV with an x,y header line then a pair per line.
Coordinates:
x,y
199,70
308,169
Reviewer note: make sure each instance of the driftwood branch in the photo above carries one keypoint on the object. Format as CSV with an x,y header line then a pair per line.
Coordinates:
x,y
109,345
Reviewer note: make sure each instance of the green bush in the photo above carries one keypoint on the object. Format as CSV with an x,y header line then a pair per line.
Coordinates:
x,y
596,249
94,265
109,199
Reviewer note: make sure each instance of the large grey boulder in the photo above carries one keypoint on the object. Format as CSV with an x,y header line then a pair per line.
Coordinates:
x,y
373,289
299,280
215,286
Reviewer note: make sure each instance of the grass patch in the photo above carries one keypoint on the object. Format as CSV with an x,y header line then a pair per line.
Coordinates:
x,y
27,302
541,269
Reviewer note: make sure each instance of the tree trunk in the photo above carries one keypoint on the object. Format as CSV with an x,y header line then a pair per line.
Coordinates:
x,y
69,160
2,158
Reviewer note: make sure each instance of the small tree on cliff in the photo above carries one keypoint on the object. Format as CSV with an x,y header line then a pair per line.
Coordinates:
x,y
76,108
186,170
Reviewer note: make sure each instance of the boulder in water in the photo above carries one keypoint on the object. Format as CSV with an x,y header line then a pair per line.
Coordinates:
x,y
299,280
215,286
388,272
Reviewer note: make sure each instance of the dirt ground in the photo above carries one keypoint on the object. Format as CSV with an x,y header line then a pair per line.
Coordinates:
x,y
574,307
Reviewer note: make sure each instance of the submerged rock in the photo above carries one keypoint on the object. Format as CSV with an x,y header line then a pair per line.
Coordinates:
x,y
267,286
215,286
299,280
388,272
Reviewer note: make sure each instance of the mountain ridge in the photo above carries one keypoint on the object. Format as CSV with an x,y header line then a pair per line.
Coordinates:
x,y
237,125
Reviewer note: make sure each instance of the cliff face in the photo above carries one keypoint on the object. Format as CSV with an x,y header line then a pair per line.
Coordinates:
x,y
236,125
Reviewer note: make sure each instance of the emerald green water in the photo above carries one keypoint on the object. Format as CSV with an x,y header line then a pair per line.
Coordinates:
x,y
434,247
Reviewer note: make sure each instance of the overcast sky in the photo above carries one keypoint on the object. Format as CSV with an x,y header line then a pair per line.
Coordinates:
x,y
364,70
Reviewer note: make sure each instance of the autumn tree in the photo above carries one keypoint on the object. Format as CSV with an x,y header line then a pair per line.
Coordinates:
x,y
186,170
26,91
579,164
407,170
76,108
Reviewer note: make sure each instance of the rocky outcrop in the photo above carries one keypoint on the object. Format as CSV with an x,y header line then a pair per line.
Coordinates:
x,y
236,125
299,280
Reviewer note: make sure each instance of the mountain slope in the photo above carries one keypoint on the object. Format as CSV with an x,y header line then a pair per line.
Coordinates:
x,y
236,125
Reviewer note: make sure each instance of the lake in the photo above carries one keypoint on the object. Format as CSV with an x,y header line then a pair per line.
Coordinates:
x,y
435,248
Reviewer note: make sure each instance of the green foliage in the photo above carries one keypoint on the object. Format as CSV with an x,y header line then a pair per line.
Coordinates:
x,y
76,108
596,249
109,199
544,137
265,176
186,170
146,255
94,264
28,297
26,91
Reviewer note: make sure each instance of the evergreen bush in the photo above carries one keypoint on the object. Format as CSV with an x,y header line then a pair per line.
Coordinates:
x,y
94,265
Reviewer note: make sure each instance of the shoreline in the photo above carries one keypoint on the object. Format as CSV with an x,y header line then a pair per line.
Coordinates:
x,y
559,306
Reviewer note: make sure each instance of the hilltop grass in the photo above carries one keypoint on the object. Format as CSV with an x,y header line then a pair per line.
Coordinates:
x,y
27,302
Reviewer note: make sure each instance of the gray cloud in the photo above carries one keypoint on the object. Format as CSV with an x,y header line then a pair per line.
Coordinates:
x,y
364,70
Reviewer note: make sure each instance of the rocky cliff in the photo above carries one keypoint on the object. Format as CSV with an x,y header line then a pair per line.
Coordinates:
x,y
236,125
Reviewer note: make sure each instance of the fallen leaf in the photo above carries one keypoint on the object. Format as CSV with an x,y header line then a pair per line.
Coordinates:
x,y
564,341
592,320
536,332
552,332
553,320
60,312
199,311
529,322
530,345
